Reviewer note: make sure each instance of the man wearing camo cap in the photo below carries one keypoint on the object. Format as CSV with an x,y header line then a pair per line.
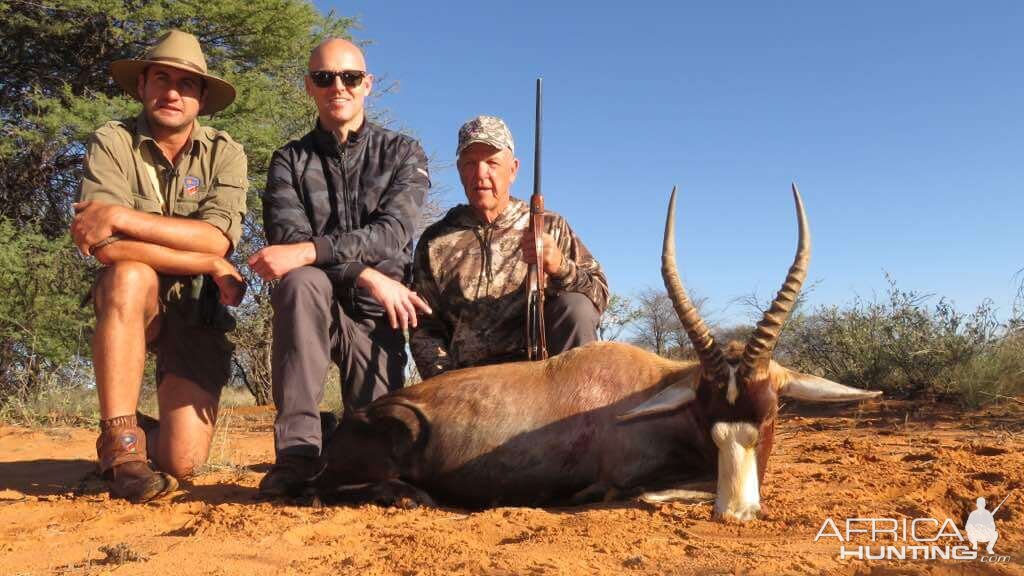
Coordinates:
x,y
470,267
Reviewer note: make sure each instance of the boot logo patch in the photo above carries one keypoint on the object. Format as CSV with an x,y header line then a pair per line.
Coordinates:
x,y
129,442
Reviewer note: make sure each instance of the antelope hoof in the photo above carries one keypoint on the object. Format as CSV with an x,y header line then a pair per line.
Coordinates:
x,y
742,513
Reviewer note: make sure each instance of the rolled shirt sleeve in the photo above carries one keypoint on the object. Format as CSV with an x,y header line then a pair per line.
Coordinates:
x,y
225,205
104,177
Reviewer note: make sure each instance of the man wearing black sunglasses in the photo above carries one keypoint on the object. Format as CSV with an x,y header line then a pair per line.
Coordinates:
x,y
339,210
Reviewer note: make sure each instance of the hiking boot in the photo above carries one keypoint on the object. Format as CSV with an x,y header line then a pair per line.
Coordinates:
x,y
290,476
121,448
138,483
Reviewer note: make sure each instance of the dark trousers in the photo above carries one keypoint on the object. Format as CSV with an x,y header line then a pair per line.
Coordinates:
x,y
311,330
570,320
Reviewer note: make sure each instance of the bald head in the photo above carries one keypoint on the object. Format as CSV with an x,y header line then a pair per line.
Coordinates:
x,y
341,87
334,49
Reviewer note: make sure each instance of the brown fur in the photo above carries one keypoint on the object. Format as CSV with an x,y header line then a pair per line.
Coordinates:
x,y
526,433
531,433
596,422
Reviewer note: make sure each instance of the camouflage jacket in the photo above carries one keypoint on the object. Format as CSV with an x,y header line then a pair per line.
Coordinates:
x,y
472,274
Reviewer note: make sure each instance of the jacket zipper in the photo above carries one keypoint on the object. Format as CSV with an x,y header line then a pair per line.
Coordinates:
x,y
345,193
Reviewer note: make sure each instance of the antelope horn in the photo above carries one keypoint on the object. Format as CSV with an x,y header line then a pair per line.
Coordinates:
x,y
766,335
711,357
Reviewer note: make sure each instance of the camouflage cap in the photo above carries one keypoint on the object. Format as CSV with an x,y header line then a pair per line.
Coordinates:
x,y
487,129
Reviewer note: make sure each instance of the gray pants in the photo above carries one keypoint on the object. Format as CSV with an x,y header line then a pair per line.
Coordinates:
x,y
570,320
310,330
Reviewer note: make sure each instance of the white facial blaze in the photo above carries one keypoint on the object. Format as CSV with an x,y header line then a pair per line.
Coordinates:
x,y
739,495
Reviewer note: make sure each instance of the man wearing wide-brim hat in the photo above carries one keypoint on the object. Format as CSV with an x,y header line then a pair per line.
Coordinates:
x,y
161,206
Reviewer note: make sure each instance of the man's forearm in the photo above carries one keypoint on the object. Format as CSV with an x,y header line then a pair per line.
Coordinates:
x,y
185,234
163,259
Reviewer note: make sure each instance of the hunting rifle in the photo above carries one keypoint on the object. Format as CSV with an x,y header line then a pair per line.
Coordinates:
x,y
536,280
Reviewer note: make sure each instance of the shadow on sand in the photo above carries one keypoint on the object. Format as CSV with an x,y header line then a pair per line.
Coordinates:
x,y
48,477
78,477
219,493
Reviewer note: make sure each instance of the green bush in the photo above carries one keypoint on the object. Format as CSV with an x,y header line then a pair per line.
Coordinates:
x,y
996,373
44,328
907,346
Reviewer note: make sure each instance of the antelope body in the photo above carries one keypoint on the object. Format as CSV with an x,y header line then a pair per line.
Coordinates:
x,y
603,421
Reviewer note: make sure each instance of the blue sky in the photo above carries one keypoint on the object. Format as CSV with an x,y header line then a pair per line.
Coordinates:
x,y
900,121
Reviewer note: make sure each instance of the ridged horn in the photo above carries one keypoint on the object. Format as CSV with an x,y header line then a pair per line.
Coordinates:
x,y
766,335
711,357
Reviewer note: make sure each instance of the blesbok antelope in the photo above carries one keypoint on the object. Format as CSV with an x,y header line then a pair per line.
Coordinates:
x,y
603,421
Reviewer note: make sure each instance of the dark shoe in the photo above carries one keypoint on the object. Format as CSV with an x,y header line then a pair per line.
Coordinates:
x,y
290,476
121,448
328,424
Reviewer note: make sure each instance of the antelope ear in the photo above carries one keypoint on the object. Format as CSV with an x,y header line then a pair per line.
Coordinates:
x,y
401,422
674,397
816,389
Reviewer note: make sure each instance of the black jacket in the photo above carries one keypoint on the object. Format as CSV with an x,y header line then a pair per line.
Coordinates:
x,y
361,211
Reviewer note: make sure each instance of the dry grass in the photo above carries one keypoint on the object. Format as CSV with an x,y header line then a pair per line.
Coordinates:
x,y
996,375
52,404
223,457
61,404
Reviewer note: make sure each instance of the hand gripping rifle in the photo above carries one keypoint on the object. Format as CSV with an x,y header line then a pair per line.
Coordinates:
x,y
536,280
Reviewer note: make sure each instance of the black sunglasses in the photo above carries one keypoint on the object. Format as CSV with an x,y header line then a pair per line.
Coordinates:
x,y
349,78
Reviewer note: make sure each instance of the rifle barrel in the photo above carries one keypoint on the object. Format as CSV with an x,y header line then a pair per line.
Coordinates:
x,y
536,338
536,139
1001,503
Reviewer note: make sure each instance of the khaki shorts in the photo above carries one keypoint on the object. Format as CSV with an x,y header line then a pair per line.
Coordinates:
x,y
193,342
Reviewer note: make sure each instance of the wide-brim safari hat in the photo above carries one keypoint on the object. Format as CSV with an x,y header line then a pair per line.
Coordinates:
x,y
180,50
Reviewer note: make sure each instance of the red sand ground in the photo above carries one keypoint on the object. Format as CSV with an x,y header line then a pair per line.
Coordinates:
x,y
888,460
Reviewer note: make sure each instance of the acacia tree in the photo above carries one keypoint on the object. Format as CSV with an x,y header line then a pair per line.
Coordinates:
x,y
56,89
618,315
656,321
657,326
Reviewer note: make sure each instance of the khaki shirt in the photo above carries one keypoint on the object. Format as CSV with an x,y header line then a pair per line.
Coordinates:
x,y
209,183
